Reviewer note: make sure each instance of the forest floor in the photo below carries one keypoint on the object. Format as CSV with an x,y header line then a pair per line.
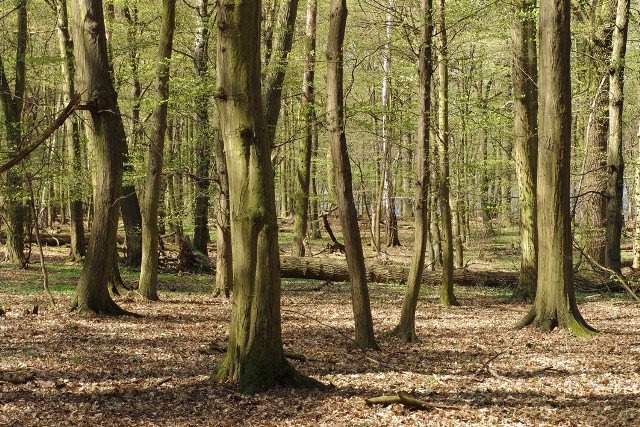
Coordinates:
x,y
155,370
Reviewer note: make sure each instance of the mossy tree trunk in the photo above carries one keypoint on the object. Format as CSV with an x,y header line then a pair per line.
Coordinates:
x,y
364,336
615,160
406,329
108,138
255,357
12,102
224,253
447,296
307,105
555,302
525,80
150,234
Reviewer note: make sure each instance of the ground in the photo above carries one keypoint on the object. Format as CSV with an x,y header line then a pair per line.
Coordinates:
x,y
154,370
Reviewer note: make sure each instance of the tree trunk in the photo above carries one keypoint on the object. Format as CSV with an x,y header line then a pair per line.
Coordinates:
x,y
224,254
107,135
525,80
555,303
307,105
446,293
615,160
12,105
203,134
255,357
406,328
148,287
636,200
342,175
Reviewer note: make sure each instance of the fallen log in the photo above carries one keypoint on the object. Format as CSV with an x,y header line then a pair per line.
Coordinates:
x,y
336,270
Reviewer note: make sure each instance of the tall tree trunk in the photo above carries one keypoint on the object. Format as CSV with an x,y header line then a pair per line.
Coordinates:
x,y
615,160
446,293
203,133
636,201
255,357
525,80
107,135
149,267
555,302
12,102
224,253
406,328
342,175
71,134
307,105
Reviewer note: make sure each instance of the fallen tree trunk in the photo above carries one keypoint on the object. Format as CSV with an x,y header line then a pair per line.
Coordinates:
x,y
336,270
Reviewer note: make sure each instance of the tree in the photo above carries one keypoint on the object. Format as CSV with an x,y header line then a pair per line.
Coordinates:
x,y
149,266
615,160
255,357
203,132
106,135
342,176
446,292
555,302
12,102
307,106
525,79
406,329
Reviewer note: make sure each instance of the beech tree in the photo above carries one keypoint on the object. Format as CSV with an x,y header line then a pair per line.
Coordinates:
x,y
12,102
525,79
406,329
555,302
106,136
149,266
255,357
364,336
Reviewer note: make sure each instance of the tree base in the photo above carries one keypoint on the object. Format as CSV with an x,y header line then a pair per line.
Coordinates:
x,y
109,308
285,376
570,320
405,333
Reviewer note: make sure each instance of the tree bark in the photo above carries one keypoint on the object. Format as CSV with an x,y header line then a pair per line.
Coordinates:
x,y
555,302
203,133
148,287
255,357
615,160
307,105
107,135
447,296
364,336
525,80
224,252
406,328
12,102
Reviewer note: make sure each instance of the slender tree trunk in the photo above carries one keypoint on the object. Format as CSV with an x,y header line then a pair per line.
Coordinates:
x,y
148,287
307,105
615,160
342,175
255,357
12,102
525,80
406,327
224,254
71,134
446,293
203,133
555,303
108,138
636,239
